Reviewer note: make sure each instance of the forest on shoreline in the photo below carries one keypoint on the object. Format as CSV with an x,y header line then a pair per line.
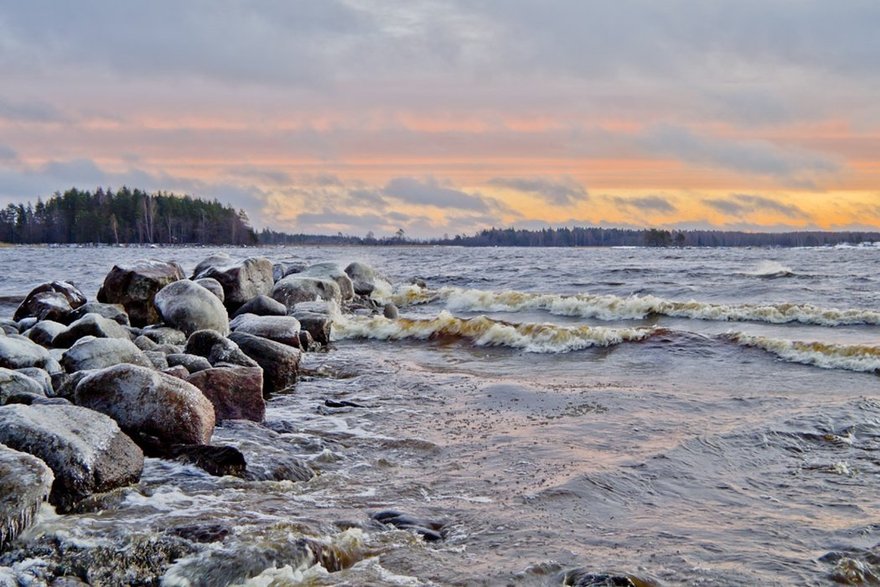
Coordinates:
x,y
135,217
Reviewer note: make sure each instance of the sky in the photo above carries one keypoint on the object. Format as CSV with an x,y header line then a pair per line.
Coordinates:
x,y
445,117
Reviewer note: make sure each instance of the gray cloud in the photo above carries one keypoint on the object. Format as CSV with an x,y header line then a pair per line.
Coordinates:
x,y
7,153
429,192
645,203
742,204
563,191
29,111
756,157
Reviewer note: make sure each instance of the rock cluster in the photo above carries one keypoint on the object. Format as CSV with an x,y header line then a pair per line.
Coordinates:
x,y
88,388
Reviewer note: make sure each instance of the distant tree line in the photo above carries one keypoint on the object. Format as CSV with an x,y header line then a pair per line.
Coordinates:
x,y
124,216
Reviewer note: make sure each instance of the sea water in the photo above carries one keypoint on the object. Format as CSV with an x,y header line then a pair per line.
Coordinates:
x,y
681,416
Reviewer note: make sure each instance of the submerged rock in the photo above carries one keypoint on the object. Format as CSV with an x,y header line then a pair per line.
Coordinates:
x,y
280,362
241,281
144,401
269,456
235,392
86,451
98,353
50,301
134,285
283,329
584,578
430,531
25,482
189,307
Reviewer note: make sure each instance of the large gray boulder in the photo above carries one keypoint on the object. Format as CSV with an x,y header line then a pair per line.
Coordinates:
x,y
188,306
25,482
134,285
280,362
217,349
98,353
262,306
283,329
334,272
86,451
213,286
299,288
90,325
14,383
236,392
144,401
363,278
50,301
44,332
17,351
241,281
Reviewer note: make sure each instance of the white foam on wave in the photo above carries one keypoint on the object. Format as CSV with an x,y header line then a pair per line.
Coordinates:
x,y
770,269
850,357
612,307
484,331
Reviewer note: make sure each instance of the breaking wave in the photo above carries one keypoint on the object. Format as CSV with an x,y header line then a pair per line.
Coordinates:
x,y
611,307
770,270
483,331
851,357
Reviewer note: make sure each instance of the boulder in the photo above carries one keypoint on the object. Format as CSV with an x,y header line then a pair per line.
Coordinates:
x,y
188,307
389,310
282,270
236,392
178,371
334,272
146,344
241,281
8,326
262,306
150,403
217,349
86,451
268,454
363,278
113,312
215,259
192,363
41,376
316,319
298,288
90,325
283,329
164,335
280,362
50,301
213,286
17,351
44,332
98,353
13,382
25,482
134,285
158,359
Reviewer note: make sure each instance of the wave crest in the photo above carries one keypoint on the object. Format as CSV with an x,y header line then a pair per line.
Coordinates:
x,y
850,357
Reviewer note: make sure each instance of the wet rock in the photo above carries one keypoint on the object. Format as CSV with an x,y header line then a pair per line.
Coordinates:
x,y
25,482
305,340
334,272
13,382
149,402
64,384
280,362
282,270
90,325
41,376
145,343
283,329
332,403
316,319
44,332
213,286
584,578
50,301
28,398
363,278
86,451
192,363
164,335
17,351
214,460
217,349
202,533
269,456
134,285
389,310
26,324
430,531
113,312
8,326
179,371
241,281
262,306
236,392
295,289
188,307
158,359
98,353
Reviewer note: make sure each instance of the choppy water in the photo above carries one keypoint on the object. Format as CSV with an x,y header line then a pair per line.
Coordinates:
x,y
685,416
